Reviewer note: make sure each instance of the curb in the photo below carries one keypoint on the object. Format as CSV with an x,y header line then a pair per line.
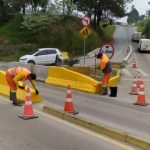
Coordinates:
x,y
101,129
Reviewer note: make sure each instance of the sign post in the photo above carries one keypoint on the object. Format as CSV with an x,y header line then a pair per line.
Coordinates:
x,y
85,32
84,51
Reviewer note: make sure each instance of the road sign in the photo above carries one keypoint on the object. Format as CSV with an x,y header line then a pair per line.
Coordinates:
x,y
85,32
108,49
86,21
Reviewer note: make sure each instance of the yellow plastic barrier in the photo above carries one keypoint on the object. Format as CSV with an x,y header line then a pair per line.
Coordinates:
x,y
64,55
114,80
64,77
21,94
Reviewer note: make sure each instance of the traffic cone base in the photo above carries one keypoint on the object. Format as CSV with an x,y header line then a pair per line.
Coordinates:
x,y
141,104
28,117
133,93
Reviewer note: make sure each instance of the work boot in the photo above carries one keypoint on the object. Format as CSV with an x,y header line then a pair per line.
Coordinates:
x,y
11,96
14,99
16,104
104,91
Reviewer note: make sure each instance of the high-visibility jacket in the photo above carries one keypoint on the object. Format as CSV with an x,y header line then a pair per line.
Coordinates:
x,y
20,74
105,64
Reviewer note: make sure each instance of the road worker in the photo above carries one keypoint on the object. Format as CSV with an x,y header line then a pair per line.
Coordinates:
x,y
106,68
13,75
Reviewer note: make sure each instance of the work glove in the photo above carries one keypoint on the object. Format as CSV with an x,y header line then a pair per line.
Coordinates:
x,y
36,91
21,87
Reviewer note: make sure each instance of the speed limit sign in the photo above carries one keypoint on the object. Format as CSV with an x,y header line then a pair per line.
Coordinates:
x,y
86,21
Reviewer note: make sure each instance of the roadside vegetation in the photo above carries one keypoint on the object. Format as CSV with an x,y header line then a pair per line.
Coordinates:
x,y
28,25
141,22
63,33
144,26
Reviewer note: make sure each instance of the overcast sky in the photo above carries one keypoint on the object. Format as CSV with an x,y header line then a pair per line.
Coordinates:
x,y
140,5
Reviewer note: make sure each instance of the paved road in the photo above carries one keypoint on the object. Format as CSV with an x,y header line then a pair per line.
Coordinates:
x,y
118,113
122,40
47,133
121,44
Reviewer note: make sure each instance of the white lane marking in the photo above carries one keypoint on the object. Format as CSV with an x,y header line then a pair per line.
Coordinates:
x,y
147,80
102,137
142,72
126,72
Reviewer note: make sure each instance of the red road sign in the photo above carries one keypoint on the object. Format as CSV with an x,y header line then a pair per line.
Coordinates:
x,y
86,21
108,49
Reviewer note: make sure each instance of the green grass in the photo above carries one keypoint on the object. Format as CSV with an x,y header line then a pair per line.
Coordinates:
x,y
140,26
63,34
109,30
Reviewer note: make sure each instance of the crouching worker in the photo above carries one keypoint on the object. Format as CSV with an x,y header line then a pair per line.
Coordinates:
x,y
107,71
13,75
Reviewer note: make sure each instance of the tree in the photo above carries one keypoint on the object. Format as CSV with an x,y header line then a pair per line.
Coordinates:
x,y
40,21
133,16
103,9
7,11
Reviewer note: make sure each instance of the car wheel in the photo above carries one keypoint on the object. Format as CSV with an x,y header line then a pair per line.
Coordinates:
x,y
31,62
58,61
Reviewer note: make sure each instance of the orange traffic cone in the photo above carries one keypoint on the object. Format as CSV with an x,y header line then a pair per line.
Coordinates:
x,y
134,87
134,64
141,97
139,80
68,103
28,110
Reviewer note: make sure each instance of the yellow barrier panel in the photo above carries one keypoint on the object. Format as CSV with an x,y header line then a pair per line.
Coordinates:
x,y
114,80
21,94
64,55
64,77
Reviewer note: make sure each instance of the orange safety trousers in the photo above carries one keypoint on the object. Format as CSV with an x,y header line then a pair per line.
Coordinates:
x,y
105,79
10,81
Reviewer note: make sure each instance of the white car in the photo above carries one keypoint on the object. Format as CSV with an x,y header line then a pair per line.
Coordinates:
x,y
43,56
144,45
136,36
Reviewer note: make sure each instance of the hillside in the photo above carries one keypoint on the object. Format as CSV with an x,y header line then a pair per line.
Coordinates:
x,y
63,33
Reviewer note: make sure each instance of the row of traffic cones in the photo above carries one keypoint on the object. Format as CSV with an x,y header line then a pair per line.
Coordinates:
x,y
138,84
137,81
28,109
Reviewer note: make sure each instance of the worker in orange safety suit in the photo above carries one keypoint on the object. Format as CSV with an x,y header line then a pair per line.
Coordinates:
x,y
13,75
107,71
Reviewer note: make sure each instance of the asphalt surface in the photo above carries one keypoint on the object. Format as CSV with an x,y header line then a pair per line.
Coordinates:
x,y
122,40
114,112
118,113
48,133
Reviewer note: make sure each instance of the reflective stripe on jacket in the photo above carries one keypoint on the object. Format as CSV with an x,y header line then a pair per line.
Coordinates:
x,y
105,64
16,70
